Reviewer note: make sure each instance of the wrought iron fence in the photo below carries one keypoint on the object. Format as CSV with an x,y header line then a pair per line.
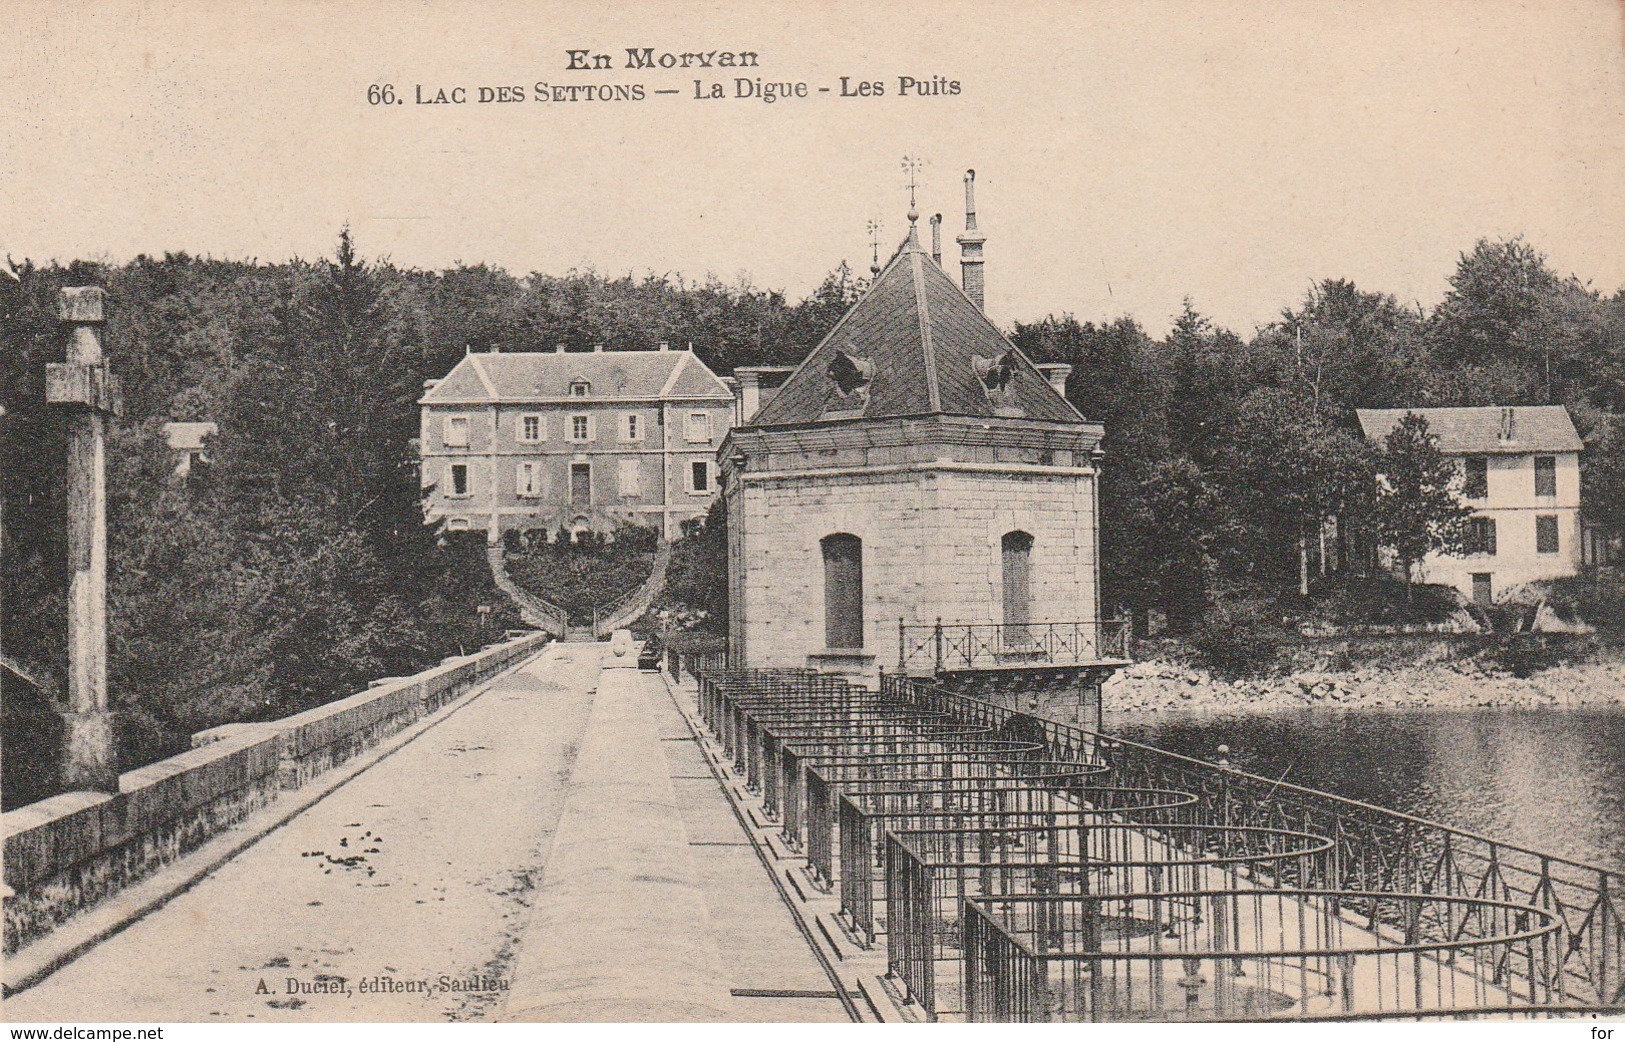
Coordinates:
x,y
930,873
1377,849
939,647
1256,955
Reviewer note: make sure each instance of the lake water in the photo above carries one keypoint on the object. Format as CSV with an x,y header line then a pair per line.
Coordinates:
x,y
1551,779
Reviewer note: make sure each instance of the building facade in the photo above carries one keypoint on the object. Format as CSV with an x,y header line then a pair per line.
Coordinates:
x,y
1520,469
916,467
572,440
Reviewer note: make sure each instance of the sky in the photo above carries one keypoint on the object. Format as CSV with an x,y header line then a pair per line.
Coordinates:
x,y
1128,154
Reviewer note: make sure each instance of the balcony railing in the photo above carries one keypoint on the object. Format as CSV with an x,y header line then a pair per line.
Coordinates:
x,y
939,646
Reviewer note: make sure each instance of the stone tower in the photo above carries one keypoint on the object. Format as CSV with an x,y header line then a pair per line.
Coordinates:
x,y
916,467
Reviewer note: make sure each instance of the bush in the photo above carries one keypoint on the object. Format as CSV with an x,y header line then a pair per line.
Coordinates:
x,y
1239,638
1525,654
1596,597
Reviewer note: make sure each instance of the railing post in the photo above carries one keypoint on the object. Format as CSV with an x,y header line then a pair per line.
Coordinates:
x,y
939,645
902,644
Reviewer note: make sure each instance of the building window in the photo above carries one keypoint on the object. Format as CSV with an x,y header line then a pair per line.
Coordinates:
x,y
527,480
699,427
631,427
843,591
631,478
1546,476
1546,541
580,389
1481,536
1483,590
1016,549
581,427
699,476
456,431
531,427
1478,478
580,484
459,479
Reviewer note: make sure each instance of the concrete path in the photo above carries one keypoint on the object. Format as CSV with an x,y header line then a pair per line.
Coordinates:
x,y
415,874
555,848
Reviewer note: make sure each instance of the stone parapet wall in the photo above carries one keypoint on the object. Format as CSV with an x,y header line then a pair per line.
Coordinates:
x,y
70,852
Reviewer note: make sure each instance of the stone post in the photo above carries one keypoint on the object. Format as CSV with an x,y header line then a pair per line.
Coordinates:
x,y
89,394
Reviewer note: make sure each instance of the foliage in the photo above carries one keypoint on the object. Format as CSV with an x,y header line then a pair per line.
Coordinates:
x,y
1239,637
1417,508
580,573
696,592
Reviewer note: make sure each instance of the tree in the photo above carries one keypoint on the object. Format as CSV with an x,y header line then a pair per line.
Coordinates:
x,y
1417,507
1507,308
1289,468
1602,476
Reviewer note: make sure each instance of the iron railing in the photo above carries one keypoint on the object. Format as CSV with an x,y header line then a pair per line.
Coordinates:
x,y
1257,955
945,647
1376,848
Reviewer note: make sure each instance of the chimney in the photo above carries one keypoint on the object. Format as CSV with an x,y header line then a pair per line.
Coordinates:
x,y
664,346
1056,373
970,247
558,349
598,349
750,393
936,238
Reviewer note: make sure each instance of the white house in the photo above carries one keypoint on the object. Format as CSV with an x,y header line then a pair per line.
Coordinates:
x,y
1521,474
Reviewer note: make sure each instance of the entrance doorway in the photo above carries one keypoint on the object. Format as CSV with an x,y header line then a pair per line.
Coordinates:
x,y
580,484
1483,591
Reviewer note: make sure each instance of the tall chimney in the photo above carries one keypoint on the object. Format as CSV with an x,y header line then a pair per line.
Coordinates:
x,y
936,238
970,247
1056,373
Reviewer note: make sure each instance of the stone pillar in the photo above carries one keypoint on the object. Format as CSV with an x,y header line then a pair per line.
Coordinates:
x,y
90,394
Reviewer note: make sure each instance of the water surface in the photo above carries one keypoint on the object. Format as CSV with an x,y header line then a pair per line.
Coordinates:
x,y
1551,779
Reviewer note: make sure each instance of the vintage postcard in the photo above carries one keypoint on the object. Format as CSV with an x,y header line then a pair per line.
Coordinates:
x,y
812,513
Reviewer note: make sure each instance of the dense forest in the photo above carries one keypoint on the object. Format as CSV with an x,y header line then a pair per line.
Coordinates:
x,y
295,567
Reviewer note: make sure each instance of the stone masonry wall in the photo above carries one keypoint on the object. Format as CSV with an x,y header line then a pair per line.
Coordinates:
x,y
931,549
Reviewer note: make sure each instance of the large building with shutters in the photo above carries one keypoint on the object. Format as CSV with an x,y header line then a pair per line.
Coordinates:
x,y
1520,472
572,440
915,467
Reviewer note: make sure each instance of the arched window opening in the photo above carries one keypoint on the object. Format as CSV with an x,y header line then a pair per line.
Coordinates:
x,y
843,591
1017,551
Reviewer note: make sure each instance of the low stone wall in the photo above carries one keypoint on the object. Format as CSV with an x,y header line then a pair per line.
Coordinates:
x,y
68,853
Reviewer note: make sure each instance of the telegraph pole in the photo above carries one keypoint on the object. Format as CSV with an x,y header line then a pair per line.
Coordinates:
x,y
84,389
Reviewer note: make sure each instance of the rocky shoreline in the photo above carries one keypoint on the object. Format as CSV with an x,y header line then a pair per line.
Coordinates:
x,y
1159,686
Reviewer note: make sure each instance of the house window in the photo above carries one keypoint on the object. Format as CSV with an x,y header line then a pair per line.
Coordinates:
x,y
527,480
843,591
1016,549
456,431
1481,536
1478,478
459,479
531,427
580,484
1546,476
631,427
699,427
1546,541
631,478
580,389
581,427
699,476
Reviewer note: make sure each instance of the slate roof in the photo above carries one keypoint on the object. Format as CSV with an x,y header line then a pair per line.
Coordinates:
x,y
527,376
921,335
1477,430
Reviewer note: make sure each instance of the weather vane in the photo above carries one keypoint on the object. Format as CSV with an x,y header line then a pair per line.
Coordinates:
x,y
874,246
911,167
